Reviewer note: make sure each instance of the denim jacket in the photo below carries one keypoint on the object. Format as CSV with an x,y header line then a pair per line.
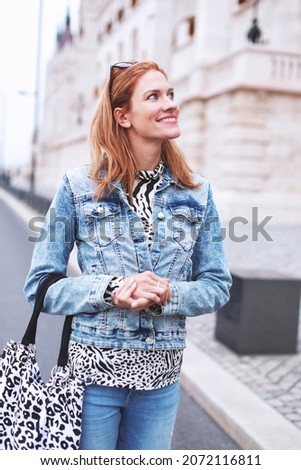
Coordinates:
x,y
110,239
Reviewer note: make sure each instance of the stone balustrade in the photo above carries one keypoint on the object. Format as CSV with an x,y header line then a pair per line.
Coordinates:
x,y
254,68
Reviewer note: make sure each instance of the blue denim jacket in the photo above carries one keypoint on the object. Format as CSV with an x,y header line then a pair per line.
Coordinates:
x,y
187,248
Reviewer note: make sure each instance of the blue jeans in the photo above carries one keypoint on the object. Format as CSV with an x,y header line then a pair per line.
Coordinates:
x,y
122,418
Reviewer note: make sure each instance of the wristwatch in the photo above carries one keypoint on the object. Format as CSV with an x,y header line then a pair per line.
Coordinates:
x,y
154,310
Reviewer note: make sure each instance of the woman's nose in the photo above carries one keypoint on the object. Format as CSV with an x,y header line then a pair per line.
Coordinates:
x,y
169,103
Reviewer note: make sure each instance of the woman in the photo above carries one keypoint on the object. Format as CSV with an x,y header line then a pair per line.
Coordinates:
x,y
150,252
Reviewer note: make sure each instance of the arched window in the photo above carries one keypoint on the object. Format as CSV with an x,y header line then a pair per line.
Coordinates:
x,y
120,15
240,3
184,32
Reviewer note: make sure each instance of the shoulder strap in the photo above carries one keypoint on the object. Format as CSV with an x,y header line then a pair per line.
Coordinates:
x,y
31,330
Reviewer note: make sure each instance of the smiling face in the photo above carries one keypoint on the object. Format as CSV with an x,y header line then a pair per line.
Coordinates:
x,y
153,113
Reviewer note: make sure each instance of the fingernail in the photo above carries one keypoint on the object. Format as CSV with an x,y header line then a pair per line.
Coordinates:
x,y
134,304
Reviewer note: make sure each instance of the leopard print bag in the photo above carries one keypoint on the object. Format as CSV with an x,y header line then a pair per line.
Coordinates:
x,y
35,414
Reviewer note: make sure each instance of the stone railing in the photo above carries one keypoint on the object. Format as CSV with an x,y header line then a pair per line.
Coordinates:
x,y
254,68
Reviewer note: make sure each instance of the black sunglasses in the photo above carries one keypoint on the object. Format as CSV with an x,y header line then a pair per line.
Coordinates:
x,y
118,65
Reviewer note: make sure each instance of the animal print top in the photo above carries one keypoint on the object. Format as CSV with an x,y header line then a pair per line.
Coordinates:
x,y
132,368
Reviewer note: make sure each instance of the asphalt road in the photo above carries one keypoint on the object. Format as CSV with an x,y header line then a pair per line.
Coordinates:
x,y
194,430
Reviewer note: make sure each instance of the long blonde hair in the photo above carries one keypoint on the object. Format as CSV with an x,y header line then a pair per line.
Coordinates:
x,y
109,144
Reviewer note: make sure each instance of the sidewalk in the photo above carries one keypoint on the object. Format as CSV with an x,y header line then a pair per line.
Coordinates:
x,y
255,399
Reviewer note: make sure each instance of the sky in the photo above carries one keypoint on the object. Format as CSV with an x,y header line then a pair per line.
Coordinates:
x,y
19,20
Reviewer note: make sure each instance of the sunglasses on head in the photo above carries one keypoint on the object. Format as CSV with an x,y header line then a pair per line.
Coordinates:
x,y
118,65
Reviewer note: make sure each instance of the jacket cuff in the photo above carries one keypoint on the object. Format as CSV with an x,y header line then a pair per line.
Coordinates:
x,y
98,289
172,307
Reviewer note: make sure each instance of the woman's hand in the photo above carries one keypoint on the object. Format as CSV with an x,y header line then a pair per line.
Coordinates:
x,y
141,291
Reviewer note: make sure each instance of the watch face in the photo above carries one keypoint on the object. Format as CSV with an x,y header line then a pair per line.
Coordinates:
x,y
154,310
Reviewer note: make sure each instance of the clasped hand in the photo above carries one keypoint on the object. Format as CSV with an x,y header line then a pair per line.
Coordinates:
x,y
142,290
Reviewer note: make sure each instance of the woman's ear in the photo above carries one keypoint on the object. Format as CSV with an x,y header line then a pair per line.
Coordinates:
x,y
121,117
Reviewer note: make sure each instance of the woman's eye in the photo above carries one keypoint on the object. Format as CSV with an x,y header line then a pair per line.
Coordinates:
x,y
153,96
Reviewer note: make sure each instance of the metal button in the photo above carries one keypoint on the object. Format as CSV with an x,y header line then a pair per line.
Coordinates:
x,y
99,209
161,215
149,340
163,242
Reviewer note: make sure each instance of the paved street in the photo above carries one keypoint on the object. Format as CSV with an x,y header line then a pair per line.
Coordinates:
x,y
15,255
194,428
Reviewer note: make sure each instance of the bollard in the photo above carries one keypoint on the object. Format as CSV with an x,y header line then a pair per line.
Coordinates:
x,y
262,314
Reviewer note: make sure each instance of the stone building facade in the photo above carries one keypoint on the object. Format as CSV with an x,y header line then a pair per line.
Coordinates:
x,y
240,98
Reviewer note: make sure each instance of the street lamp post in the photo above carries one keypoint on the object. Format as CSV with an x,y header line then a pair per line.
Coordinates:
x,y
34,149
254,34
2,130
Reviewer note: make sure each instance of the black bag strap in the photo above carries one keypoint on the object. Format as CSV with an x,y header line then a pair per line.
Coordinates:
x,y
31,330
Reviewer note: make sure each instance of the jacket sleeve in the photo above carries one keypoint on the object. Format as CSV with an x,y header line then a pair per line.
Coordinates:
x,y
208,290
72,295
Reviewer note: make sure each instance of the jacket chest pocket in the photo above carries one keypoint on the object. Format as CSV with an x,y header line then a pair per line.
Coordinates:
x,y
102,221
184,225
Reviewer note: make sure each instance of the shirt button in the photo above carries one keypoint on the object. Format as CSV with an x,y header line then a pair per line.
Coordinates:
x,y
161,215
149,340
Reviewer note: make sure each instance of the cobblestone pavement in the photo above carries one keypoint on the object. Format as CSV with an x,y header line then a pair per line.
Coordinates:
x,y
275,378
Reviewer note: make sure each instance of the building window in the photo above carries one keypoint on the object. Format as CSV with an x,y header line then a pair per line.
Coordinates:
x,y
120,14
184,32
96,92
244,3
239,6
191,26
109,27
134,3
